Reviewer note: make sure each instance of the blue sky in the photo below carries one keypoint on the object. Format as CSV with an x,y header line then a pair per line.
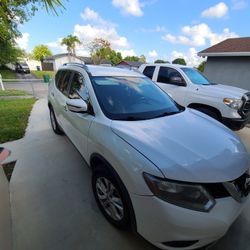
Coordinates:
x,y
156,28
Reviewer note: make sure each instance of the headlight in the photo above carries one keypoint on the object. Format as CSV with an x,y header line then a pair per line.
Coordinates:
x,y
185,195
233,103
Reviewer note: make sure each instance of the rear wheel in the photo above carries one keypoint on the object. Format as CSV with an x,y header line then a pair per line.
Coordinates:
x,y
54,124
112,198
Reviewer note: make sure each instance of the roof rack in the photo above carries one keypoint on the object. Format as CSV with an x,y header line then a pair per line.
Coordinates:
x,y
81,65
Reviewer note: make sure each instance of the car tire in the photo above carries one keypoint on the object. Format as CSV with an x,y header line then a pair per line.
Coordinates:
x,y
210,113
54,124
112,198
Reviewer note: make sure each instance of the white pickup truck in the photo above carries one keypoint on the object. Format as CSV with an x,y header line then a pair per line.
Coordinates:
x,y
188,87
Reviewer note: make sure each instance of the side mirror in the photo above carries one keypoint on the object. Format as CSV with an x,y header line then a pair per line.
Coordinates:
x,y
77,105
177,81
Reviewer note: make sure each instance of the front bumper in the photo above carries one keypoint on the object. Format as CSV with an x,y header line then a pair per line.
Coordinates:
x,y
236,123
162,223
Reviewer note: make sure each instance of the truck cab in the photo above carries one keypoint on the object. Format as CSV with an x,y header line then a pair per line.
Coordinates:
x,y
190,88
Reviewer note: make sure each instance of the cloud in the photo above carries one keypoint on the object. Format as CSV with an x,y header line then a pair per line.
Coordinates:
x,y
217,11
158,28
239,4
23,40
152,54
129,7
190,56
199,35
95,28
126,52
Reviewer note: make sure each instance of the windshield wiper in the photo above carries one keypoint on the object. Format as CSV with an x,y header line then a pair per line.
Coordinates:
x,y
166,114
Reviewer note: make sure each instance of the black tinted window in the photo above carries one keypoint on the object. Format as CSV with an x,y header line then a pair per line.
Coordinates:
x,y
132,98
77,87
149,71
166,73
63,81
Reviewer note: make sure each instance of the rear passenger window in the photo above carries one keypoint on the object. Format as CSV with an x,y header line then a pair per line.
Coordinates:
x,y
63,81
149,71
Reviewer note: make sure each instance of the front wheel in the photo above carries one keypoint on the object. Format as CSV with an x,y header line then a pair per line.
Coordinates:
x,y
112,198
210,113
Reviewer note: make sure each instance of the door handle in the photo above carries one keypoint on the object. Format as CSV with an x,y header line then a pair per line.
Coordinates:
x,y
65,108
52,93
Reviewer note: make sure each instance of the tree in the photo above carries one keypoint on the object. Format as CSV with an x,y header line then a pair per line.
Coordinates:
x,y
160,61
141,58
101,50
41,51
179,61
201,67
70,41
13,13
9,53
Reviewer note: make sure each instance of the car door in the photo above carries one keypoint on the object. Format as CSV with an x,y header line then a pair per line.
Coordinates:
x,y
176,90
78,124
60,93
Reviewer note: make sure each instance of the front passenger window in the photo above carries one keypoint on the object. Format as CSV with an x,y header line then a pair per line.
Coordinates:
x,y
77,87
166,74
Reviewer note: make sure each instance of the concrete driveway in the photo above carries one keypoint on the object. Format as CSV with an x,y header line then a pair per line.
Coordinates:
x,y
52,203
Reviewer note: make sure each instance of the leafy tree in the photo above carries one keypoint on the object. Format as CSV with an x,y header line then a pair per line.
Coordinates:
x,y
13,13
160,61
179,61
70,41
141,58
41,51
101,50
9,53
201,67
98,43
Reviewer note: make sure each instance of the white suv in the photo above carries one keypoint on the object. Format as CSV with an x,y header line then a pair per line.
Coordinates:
x,y
188,87
176,176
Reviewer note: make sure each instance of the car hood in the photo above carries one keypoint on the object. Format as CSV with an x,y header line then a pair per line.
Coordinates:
x,y
188,146
223,91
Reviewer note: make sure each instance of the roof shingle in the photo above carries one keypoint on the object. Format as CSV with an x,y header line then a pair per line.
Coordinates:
x,y
231,45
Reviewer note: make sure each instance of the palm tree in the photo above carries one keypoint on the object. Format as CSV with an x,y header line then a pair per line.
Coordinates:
x,y
70,41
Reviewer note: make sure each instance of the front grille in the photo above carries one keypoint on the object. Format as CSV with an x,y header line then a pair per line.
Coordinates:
x,y
237,189
245,109
217,190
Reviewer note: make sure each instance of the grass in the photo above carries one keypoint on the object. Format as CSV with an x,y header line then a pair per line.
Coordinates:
x,y
14,116
7,74
39,74
13,92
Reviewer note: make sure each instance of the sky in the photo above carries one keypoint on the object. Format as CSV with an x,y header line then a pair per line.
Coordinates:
x,y
158,29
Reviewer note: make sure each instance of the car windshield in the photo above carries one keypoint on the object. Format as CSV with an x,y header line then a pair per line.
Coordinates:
x,y
24,64
196,77
132,98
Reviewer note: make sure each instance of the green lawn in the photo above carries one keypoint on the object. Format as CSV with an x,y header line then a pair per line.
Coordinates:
x,y
14,116
8,74
39,74
13,92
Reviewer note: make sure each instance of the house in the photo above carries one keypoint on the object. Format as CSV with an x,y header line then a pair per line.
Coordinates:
x,y
129,64
228,62
56,61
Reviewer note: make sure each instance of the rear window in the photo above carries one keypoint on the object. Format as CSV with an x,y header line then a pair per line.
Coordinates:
x,y
149,71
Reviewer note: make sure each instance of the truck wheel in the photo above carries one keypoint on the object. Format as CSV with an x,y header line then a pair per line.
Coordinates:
x,y
209,112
